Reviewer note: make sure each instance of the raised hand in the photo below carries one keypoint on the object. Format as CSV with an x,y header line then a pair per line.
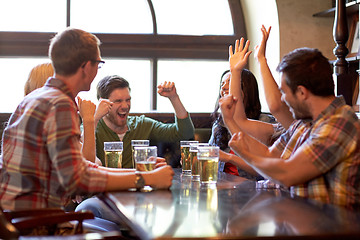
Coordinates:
x,y
103,108
238,57
260,49
86,108
227,106
239,142
167,89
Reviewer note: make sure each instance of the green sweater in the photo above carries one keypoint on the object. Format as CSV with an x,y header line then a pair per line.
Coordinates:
x,y
140,128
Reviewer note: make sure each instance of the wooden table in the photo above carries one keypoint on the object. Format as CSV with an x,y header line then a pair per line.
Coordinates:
x,y
233,208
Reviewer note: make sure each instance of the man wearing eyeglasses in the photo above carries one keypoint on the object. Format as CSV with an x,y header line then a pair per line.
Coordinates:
x,y
42,164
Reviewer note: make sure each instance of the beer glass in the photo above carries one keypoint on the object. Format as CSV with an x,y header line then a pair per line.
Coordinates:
x,y
145,158
137,143
113,154
195,173
208,158
185,156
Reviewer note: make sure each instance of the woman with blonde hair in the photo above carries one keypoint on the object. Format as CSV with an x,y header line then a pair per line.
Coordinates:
x,y
90,115
38,76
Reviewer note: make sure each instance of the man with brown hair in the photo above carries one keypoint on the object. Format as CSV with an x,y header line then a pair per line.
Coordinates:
x,y
318,156
42,164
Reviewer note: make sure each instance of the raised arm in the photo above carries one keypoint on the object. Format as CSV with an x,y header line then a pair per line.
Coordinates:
x,y
103,108
91,115
87,111
238,59
227,105
272,94
167,89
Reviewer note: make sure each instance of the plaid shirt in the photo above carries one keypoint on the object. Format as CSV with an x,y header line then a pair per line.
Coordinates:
x,y
42,162
332,143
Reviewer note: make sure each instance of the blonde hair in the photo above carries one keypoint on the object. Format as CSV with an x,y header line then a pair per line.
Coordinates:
x,y
38,76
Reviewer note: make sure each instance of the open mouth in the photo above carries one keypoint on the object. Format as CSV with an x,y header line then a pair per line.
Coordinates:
x,y
224,93
122,115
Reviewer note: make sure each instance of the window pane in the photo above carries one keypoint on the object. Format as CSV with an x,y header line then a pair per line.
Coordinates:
x,y
35,15
189,17
197,83
13,74
136,72
111,16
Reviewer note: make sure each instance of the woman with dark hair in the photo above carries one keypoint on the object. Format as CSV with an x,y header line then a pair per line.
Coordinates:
x,y
220,135
251,95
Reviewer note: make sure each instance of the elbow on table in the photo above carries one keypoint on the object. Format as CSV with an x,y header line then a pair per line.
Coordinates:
x,y
288,180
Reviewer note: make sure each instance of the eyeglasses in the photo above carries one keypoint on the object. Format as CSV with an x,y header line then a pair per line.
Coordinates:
x,y
100,63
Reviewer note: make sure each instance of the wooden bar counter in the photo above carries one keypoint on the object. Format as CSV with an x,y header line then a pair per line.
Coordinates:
x,y
232,209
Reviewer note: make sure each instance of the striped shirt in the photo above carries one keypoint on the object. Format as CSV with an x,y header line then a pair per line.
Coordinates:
x,y
42,163
332,143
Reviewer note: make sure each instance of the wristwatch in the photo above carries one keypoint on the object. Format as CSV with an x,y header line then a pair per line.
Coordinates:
x,y
139,181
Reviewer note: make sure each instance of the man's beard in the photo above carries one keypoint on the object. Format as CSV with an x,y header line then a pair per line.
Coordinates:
x,y
301,113
114,118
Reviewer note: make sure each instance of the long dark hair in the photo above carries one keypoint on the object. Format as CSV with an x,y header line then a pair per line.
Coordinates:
x,y
251,102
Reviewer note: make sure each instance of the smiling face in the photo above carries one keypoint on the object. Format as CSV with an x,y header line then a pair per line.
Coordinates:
x,y
225,84
121,107
298,108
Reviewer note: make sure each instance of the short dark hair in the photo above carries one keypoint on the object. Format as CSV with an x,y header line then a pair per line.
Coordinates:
x,y
309,68
108,84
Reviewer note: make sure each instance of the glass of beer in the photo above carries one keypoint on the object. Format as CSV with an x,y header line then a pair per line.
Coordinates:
x,y
185,156
113,154
208,158
145,158
195,173
137,143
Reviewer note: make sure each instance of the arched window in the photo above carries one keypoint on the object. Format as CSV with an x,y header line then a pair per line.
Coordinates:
x,y
145,41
